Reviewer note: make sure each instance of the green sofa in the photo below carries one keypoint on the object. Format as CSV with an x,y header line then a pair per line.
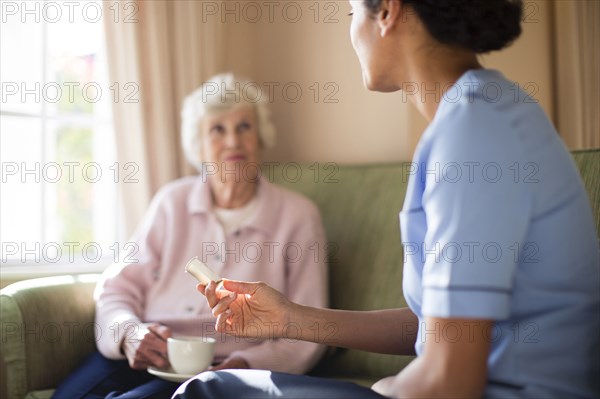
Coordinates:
x,y
47,324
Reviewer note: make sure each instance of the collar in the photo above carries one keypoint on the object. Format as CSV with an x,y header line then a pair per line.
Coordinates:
x,y
265,216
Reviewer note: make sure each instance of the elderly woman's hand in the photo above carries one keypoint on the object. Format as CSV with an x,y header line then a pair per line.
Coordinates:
x,y
248,309
145,345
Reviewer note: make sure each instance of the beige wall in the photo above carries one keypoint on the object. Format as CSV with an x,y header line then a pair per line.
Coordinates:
x,y
362,126
529,61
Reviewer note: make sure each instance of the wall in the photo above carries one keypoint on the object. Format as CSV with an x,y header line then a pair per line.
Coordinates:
x,y
362,127
529,61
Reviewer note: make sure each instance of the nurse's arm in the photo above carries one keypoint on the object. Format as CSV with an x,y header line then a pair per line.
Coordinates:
x,y
453,363
390,331
258,311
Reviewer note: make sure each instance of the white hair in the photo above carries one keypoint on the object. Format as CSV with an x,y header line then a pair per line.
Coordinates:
x,y
222,93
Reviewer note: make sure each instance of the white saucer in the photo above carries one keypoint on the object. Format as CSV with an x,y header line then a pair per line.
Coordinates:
x,y
170,374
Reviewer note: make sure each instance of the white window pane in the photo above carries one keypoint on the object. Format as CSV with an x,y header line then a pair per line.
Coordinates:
x,y
74,49
106,189
81,186
80,35
21,64
21,192
69,199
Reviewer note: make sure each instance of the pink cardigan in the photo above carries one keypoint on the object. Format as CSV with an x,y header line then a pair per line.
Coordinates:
x,y
283,244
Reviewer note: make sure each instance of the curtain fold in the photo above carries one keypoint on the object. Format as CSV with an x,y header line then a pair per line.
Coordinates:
x,y
155,61
577,43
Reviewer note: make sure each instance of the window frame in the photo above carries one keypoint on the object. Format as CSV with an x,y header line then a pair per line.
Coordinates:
x,y
14,268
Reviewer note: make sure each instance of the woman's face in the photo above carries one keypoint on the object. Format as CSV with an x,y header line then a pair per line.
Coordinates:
x,y
363,34
374,51
230,142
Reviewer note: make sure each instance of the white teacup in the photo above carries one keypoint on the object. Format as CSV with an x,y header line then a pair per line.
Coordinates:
x,y
190,355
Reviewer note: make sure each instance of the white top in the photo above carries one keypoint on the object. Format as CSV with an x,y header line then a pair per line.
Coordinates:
x,y
233,219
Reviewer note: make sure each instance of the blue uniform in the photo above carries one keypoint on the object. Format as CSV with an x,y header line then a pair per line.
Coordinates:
x,y
497,225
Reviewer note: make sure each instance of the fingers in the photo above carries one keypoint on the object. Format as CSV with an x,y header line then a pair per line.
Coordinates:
x,y
210,291
241,287
156,359
141,362
138,363
161,331
224,303
154,343
135,358
222,325
215,298
159,346
151,349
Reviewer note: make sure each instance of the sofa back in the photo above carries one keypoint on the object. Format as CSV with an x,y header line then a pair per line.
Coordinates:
x,y
359,206
588,163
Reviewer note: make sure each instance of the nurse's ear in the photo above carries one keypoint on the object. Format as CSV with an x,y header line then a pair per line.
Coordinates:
x,y
391,14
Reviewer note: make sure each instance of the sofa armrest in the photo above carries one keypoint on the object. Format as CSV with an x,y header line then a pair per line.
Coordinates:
x,y
46,328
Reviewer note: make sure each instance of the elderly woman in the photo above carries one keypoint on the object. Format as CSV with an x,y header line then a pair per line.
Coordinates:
x,y
238,223
540,277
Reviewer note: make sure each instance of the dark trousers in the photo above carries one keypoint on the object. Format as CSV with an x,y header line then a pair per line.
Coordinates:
x,y
263,384
99,377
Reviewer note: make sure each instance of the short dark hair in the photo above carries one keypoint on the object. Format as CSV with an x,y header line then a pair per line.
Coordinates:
x,y
478,25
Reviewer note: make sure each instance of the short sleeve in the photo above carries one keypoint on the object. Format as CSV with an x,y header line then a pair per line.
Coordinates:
x,y
477,217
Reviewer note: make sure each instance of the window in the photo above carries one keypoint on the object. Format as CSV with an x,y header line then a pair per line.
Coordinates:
x,y
58,198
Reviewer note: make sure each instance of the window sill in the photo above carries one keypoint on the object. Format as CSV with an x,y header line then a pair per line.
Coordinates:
x,y
16,271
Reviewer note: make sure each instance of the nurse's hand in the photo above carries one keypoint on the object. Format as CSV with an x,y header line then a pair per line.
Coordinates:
x,y
145,345
252,310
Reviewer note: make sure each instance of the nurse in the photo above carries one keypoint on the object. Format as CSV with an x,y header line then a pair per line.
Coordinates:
x,y
502,268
